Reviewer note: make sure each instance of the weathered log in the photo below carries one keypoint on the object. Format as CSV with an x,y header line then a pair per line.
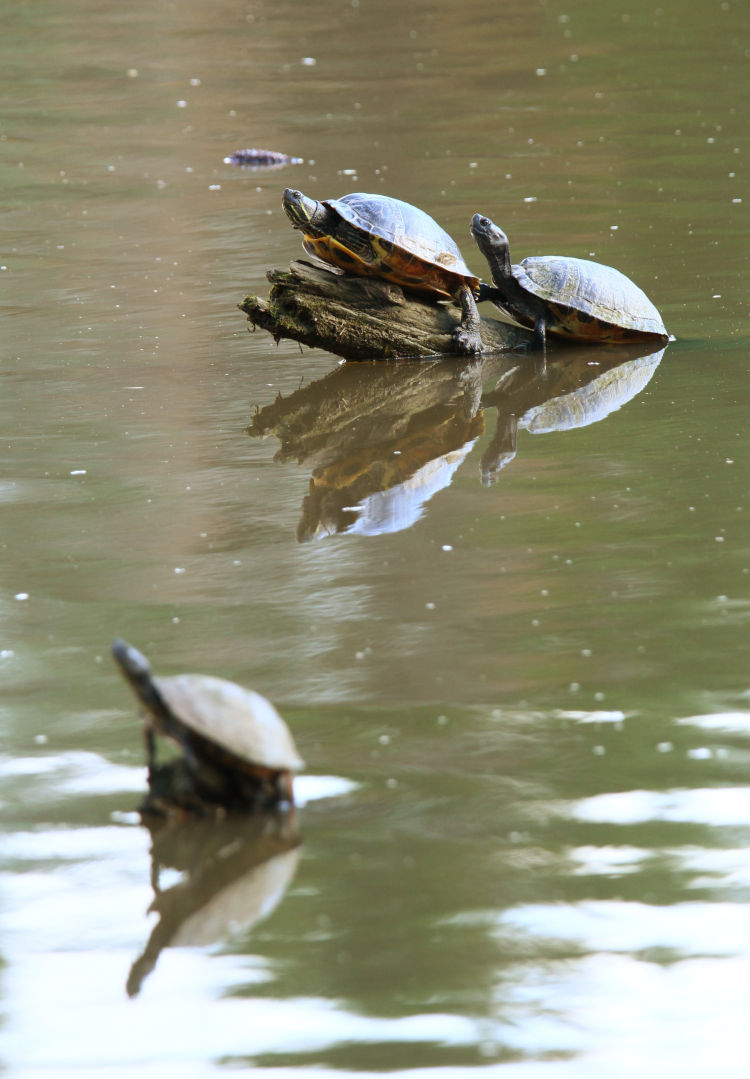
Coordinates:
x,y
361,318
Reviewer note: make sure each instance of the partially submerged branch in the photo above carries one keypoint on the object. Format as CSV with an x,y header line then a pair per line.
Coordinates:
x,y
362,318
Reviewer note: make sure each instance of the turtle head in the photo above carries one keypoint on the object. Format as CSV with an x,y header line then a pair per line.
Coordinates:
x,y
493,243
300,210
485,231
131,662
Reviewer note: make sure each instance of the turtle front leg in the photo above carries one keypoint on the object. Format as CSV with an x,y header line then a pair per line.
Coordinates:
x,y
540,333
149,739
285,788
540,343
489,292
468,336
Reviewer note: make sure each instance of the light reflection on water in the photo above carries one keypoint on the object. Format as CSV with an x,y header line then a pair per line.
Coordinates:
x,y
725,805
189,1019
575,977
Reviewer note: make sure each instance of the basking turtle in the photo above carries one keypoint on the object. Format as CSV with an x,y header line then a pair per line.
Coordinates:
x,y
568,297
237,749
377,236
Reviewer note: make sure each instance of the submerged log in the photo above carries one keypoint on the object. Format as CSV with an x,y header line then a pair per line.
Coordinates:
x,y
362,318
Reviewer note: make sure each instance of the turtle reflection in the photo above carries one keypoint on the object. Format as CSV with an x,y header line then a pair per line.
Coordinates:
x,y
382,440
574,392
233,873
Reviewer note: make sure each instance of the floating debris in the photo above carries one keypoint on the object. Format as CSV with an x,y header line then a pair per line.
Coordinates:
x,y
261,159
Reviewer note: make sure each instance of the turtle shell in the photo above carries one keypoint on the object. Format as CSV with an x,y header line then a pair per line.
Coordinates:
x,y
241,722
410,247
588,299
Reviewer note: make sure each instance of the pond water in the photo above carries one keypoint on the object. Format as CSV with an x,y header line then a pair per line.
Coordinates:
x,y
506,615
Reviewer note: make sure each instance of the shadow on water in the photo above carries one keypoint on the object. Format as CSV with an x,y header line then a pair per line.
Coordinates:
x,y
382,440
233,873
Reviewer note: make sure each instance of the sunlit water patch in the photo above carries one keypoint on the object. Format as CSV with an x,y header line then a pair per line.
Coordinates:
x,y
715,806
738,722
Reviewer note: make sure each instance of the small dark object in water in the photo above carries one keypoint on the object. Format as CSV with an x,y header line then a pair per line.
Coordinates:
x,y
237,750
378,236
261,159
568,297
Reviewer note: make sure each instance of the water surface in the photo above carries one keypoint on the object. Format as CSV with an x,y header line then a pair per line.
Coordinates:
x,y
506,618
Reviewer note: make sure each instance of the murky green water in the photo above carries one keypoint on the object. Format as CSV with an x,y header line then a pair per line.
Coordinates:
x,y
506,618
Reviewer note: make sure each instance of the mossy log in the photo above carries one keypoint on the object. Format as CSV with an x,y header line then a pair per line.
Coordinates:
x,y
362,318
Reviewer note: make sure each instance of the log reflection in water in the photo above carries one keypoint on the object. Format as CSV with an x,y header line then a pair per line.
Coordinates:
x,y
382,440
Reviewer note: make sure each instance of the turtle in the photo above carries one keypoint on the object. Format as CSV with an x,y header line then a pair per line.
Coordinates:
x,y
567,297
379,236
237,750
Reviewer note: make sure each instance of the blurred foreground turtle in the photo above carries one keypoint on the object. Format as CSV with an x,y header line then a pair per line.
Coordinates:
x,y
378,236
237,751
568,297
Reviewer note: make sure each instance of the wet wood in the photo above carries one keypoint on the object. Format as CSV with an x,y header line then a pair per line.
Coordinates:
x,y
363,318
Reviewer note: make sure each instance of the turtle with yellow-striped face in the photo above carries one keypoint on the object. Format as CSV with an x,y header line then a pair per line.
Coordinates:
x,y
378,236
570,298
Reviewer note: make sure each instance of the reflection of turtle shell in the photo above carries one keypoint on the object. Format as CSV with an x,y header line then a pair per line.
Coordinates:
x,y
594,401
241,904
224,876
399,507
329,510
410,247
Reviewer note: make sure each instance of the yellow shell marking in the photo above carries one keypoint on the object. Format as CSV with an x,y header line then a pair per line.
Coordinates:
x,y
391,263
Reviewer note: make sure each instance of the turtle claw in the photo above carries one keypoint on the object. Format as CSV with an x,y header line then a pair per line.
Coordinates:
x,y
467,343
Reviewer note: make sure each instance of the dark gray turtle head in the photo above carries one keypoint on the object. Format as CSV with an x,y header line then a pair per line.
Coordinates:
x,y
493,243
509,294
132,663
304,213
490,238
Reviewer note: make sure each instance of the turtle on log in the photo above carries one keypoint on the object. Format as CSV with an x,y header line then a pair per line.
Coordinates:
x,y
237,751
570,298
378,236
